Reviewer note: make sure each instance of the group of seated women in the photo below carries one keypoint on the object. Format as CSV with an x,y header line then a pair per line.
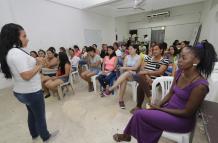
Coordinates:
x,y
190,70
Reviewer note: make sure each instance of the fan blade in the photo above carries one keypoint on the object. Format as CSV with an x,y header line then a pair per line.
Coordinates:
x,y
140,8
124,7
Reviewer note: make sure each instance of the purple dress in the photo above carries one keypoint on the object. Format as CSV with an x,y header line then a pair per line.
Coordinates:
x,y
147,125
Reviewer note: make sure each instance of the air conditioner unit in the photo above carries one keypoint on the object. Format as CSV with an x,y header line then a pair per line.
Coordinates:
x,y
158,14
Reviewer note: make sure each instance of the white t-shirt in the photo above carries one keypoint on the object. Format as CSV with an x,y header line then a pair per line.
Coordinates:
x,y
118,53
18,62
74,61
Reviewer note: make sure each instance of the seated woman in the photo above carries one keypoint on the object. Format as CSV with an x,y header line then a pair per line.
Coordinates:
x,y
154,67
77,50
103,51
62,49
173,59
108,68
119,54
94,63
74,60
51,61
41,53
132,64
179,106
34,54
62,75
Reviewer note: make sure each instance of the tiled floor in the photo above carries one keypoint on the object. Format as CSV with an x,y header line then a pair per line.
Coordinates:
x,y
81,118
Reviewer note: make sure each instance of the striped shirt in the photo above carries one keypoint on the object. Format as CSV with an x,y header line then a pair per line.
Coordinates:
x,y
154,65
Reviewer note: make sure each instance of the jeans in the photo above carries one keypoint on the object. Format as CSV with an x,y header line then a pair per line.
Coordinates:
x,y
82,62
105,80
36,113
142,89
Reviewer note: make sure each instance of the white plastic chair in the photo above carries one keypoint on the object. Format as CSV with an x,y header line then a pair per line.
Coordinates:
x,y
93,79
60,92
165,83
134,85
74,73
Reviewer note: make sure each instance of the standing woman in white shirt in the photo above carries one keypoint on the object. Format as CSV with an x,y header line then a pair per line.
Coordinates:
x,y
24,69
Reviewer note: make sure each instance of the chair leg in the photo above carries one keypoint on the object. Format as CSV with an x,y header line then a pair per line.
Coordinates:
x,y
184,139
94,85
51,93
134,92
71,85
60,93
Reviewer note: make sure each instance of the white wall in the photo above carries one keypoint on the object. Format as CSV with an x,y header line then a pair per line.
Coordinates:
x,y
49,24
179,25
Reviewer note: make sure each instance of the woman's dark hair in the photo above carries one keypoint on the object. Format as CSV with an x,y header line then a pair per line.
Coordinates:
x,y
63,59
89,49
94,45
207,55
76,47
42,51
113,54
70,49
175,50
115,43
63,49
9,38
162,47
176,42
136,47
186,43
34,53
52,49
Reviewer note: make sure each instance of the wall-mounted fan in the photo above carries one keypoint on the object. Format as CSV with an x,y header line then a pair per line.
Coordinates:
x,y
137,5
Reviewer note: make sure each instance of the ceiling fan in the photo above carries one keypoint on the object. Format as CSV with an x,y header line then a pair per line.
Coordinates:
x,y
137,5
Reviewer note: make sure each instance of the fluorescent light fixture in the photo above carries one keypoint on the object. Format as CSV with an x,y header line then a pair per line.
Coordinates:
x,y
81,4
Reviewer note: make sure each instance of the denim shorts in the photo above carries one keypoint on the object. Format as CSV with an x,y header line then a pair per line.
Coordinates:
x,y
74,68
64,79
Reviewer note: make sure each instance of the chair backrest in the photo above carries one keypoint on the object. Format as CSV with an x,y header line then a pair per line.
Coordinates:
x,y
165,83
215,70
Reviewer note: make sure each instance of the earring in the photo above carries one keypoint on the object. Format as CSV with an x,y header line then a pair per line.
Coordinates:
x,y
195,65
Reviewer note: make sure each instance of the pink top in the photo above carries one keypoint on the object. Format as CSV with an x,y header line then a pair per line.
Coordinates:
x,y
109,63
78,53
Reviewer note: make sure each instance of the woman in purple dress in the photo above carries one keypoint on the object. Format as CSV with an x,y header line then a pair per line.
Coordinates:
x,y
178,108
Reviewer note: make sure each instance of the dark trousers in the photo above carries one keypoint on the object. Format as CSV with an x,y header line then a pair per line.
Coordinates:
x,y
105,80
142,89
36,113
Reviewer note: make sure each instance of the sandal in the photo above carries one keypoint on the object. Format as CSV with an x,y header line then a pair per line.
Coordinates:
x,y
134,109
122,137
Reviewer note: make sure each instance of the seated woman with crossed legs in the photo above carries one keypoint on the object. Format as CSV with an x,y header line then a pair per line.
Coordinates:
x,y
108,69
132,64
154,66
62,75
179,106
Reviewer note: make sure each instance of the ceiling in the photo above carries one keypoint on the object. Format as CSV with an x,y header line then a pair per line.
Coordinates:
x,y
110,8
81,4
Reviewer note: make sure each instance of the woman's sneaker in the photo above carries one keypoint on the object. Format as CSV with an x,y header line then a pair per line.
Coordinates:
x,y
52,137
106,92
122,105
